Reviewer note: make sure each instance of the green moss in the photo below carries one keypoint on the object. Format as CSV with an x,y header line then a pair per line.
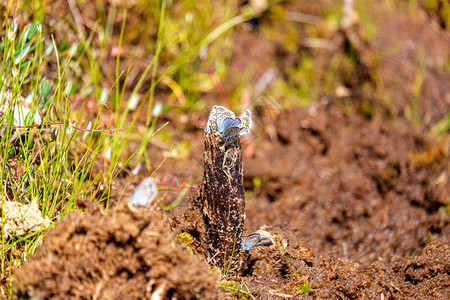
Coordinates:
x,y
304,288
185,238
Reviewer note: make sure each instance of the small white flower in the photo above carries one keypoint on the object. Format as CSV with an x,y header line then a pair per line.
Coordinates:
x,y
14,72
103,96
37,118
157,109
69,128
133,102
11,35
108,153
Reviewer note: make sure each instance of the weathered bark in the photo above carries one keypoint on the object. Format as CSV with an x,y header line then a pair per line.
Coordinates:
x,y
221,201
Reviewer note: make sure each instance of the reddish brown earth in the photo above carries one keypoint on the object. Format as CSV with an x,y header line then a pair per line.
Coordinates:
x,y
356,187
356,193
127,253
356,190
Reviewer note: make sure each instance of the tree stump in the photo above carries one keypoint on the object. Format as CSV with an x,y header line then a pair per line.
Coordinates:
x,y
220,199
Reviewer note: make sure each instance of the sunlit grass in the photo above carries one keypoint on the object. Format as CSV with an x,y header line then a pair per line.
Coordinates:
x,y
50,152
65,133
236,290
46,157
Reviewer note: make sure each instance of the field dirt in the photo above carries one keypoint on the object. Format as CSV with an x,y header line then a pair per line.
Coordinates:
x,y
355,188
126,253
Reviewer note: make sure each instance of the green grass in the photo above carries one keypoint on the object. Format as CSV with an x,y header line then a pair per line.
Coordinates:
x,y
236,290
443,126
47,156
51,153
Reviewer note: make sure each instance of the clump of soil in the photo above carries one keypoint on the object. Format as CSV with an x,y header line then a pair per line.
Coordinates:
x,y
21,219
127,253
299,271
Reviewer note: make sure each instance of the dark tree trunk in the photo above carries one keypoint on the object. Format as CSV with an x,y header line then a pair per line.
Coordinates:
x,y
221,201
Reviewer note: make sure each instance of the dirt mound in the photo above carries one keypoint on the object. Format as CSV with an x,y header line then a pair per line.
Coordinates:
x,y
299,271
128,253
350,187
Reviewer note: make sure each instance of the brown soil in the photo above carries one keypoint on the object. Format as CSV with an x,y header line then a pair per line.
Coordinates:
x,y
126,253
423,276
356,192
